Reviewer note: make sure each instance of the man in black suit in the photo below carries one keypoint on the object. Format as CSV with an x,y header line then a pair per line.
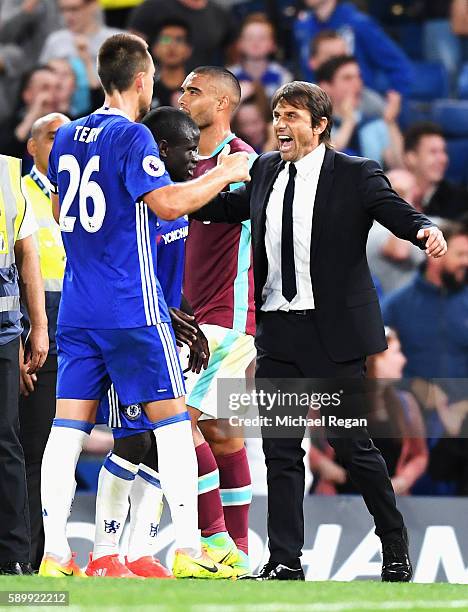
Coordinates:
x,y
318,316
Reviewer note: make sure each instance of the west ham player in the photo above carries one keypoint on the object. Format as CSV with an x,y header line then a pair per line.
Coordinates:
x,y
218,282
113,322
177,137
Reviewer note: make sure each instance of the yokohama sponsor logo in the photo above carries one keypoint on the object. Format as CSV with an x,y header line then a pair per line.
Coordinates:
x,y
177,234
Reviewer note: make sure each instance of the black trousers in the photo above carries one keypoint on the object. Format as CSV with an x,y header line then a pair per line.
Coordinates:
x,y
14,513
36,413
289,346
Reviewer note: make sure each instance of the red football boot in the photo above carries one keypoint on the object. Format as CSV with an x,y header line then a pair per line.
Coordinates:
x,y
148,567
108,566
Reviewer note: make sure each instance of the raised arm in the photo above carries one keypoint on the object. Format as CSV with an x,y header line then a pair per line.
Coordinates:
x,y
173,201
383,204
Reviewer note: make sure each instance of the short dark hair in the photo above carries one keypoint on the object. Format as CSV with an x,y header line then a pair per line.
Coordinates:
x,y
417,131
311,97
120,58
169,124
327,71
320,37
175,22
28,76
217,72
452,229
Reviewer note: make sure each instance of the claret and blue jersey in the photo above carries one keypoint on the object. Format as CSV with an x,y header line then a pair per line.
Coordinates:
x,y
101,166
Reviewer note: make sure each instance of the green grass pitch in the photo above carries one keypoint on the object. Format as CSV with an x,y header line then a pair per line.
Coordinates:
x,y
119,595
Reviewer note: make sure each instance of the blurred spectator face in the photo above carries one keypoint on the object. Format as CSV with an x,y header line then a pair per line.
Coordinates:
x,y
251,125
429,160
171,48
194,4
66,81
346,84
77,15
454,265
390,363
316,4
199,99
328,48
42,85
404,183
40,145
257,41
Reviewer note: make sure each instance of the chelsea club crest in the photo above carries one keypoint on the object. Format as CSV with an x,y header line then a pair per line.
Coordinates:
x,y
133,411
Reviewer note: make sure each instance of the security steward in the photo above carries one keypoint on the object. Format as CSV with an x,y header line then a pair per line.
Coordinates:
x,y
19,271
37,401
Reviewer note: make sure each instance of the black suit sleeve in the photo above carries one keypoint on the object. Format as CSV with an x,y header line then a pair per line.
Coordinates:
x,y
383,204
226,207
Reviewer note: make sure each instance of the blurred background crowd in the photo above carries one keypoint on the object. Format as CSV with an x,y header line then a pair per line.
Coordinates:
x,y
397,74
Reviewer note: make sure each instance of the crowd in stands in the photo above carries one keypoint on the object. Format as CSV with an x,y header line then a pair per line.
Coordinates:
x,y
397,74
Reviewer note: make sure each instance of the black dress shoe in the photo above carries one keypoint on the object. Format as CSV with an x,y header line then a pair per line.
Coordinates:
x,y
15,568
276,571
396,565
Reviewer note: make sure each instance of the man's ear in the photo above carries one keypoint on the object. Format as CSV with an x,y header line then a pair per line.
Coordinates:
x,y
318,129
224,102
163,148
139,81
32,147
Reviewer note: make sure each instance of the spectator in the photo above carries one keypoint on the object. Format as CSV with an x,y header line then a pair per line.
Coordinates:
x,y
430,313
426,157
354,133
39,96
328,44
445,31
212,27
81,38
250,124
24,26
391,260
394,422
171,51
257,46
376,53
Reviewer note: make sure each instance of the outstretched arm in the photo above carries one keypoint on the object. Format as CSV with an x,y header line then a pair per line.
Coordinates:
x,y
383,204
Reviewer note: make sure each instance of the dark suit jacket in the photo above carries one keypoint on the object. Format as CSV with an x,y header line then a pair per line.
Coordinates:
x,y
351,193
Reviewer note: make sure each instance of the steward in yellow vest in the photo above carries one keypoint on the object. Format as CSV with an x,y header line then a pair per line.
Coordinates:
x,y
19,268
37,402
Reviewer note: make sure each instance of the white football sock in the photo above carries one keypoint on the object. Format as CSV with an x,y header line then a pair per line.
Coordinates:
x,y
116,479
58,484
178,472
146,504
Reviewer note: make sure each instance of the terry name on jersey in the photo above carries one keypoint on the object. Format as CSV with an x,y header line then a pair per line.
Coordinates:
x,y
86,134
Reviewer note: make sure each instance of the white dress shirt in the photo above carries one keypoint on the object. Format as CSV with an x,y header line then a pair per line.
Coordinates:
x,y
305,189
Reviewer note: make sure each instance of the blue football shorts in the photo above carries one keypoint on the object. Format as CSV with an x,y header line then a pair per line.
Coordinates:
x,y
142,363
124,420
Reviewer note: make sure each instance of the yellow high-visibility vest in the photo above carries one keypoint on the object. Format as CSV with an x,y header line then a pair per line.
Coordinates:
x,y
48,237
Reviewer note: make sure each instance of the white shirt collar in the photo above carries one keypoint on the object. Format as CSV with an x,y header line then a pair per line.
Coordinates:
x,y
106,110
42,177
310,162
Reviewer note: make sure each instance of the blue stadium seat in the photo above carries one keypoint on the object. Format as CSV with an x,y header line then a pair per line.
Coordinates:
x,y
463,82
430,81
452,116
413,111
458,155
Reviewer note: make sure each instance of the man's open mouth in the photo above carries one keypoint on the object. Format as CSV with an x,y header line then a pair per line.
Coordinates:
x,y
285,143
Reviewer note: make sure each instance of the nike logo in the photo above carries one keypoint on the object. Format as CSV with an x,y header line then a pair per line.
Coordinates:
x,y
225,557
213,569
66,573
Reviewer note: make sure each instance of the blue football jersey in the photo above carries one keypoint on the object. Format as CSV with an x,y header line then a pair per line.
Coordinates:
x,y
101,166
171,259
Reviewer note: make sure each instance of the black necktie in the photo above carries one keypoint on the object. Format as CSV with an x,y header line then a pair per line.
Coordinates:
x,y
288,269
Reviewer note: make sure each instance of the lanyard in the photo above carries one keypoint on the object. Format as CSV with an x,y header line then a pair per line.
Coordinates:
x,y
33,174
